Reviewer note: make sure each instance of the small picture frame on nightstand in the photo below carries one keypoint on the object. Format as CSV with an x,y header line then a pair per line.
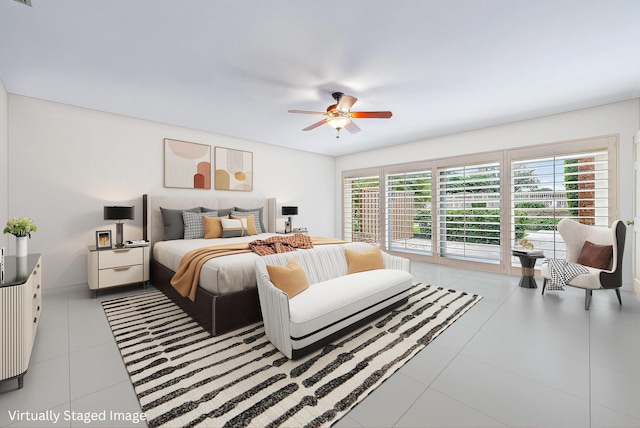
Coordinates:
x,y
103,239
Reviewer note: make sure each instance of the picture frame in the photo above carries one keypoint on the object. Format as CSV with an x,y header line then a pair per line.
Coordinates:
x,y
103,239
233,169
187,165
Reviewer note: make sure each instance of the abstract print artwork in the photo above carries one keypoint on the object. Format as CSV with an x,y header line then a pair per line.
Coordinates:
x,y
187,165
234,169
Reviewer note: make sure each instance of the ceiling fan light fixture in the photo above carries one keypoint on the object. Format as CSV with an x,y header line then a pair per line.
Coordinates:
x,y
338,122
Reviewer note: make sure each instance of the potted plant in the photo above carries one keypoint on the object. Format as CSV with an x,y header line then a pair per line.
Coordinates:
x,y
21,228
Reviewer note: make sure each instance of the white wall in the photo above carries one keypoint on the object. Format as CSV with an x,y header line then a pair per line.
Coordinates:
x,y
67,162
621,118
4,175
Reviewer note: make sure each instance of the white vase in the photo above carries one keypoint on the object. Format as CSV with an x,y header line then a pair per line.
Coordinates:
x,y
21,246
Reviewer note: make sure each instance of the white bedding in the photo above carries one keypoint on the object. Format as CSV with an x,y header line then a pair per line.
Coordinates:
x,y
220,275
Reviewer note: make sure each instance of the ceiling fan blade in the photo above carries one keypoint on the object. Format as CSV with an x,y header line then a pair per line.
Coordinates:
x,y
345,103
352,127
371,114
307,112
315,125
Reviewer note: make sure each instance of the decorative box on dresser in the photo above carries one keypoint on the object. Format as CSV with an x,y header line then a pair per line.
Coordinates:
x,y
112,267
20,308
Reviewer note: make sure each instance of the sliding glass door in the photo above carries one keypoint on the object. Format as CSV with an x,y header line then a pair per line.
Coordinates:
x,y
469,212
408,205
549,188
361,205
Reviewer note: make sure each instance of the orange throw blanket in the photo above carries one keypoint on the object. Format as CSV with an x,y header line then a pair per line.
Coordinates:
x,y
186,278
280,244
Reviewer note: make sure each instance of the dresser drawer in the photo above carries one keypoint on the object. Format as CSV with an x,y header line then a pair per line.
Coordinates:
x,y
117,258
120,275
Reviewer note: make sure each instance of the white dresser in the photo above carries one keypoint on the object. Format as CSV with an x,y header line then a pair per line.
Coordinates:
x,y
117,266
20,309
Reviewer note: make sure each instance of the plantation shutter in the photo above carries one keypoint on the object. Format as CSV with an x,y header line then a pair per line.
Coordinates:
x,y
408,226
469,212
547,189
361,202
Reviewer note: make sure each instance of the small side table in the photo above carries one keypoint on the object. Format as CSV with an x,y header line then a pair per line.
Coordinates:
x,y
111,267
528,262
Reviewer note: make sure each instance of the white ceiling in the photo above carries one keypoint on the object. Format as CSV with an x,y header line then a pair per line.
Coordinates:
x,y
236,67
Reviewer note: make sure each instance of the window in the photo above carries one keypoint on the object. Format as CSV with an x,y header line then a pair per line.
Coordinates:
x,y
469,212
361,202
550,188
472,210
408,224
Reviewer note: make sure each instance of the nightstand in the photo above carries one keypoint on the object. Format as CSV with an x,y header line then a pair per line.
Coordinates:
x,y
112,267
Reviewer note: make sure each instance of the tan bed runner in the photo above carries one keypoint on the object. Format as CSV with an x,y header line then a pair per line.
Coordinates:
x,y
186,278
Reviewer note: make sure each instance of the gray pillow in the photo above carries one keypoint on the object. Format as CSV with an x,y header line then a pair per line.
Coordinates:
x,y
193,224
173,223
258,217
222,212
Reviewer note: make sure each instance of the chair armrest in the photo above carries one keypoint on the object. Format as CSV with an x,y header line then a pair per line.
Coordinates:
x,y
274,304
396,262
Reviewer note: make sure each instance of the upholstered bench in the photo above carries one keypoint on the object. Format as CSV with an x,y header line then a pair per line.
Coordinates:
x,y
309,297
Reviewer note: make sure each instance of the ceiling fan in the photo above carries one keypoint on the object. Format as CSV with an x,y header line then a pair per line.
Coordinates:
x,y
339,115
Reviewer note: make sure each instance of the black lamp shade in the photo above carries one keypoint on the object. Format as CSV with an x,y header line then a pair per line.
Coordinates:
x,y
118,213
289,210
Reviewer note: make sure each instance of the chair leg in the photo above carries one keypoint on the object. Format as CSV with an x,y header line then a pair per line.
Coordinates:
x,y
618,294
544,285
587,299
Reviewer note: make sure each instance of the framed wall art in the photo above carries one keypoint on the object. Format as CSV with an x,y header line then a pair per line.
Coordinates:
x,y
187,165
233,169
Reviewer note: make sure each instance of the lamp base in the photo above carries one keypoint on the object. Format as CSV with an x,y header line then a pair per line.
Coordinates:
x,y
119,235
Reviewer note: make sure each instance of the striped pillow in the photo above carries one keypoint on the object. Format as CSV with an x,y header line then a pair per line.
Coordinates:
x,y
257,217
251,225
233,228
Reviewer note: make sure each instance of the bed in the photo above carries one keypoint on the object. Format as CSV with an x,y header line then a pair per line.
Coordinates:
x,y
226,297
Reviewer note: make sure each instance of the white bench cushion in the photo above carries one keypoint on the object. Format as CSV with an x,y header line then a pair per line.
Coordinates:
x,y
328,306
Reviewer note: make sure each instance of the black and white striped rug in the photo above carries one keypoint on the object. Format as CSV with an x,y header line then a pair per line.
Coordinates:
x,y
183,376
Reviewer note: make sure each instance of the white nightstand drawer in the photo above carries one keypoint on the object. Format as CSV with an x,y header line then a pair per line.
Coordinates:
x,y
120,257
120,275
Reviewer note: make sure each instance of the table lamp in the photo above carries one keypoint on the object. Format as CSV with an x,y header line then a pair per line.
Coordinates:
x,y
289,211
119,214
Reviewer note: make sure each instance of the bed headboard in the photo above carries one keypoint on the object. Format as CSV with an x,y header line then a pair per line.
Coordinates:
x,y
153,227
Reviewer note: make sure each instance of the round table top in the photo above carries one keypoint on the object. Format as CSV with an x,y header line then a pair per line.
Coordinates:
x,y
520,253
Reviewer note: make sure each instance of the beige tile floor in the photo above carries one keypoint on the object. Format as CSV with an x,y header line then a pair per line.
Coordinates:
x,y
516,359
